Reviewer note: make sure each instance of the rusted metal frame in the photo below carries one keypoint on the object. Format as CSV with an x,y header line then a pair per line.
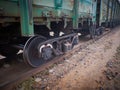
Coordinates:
x,y
94,11
63,37
107,16
75,14
26,17
114,11
98,12
101,8
111,15
117,13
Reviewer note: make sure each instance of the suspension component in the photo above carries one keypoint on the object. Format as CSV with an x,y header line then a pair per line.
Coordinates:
x,y
38,50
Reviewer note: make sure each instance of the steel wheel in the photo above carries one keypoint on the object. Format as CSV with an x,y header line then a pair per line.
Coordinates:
x,y
31,52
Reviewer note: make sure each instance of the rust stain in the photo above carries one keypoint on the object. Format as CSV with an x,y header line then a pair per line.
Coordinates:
x,y
71,2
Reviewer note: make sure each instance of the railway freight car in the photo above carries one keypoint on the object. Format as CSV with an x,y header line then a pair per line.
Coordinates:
x,y
108,12
44,29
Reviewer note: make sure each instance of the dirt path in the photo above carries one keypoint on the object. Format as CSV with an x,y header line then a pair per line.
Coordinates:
x,y
89,73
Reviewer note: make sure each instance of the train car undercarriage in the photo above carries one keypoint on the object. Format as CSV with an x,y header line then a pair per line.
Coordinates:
x,y
46,29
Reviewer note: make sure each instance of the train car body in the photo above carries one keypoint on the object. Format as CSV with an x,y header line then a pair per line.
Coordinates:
x,y
43,12
108,13
47,28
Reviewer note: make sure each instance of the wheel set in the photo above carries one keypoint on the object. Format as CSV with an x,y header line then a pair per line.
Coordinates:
x,y
38,50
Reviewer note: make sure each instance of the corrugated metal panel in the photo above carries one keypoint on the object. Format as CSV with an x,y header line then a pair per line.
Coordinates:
x,y
67,4
85,8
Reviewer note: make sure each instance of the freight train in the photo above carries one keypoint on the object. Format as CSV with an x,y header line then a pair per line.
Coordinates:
x,y
44,29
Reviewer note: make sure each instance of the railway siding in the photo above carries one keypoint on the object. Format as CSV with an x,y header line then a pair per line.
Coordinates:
x,y
68,74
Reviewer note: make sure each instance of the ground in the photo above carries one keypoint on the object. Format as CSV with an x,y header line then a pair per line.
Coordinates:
x,y
97,67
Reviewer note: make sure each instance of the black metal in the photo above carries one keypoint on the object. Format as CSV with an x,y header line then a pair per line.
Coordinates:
x,y
107,16
92,31
98,12
30,10
67,46
47,53
37,49
112,11
31,53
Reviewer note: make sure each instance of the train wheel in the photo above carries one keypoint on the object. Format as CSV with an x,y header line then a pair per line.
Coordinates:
x,y
36,52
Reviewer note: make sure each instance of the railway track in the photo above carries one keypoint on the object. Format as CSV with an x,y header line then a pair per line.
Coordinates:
x,y
12,76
